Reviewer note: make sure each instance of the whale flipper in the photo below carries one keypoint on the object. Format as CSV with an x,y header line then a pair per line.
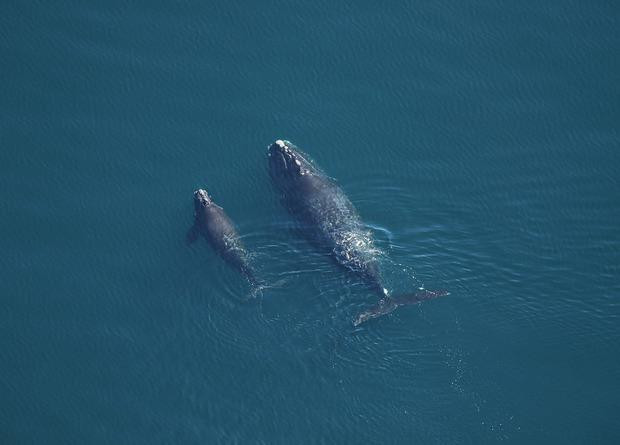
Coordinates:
x,y
192,234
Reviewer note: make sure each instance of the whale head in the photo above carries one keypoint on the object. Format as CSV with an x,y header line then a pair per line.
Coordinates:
x,y
201,199
287,163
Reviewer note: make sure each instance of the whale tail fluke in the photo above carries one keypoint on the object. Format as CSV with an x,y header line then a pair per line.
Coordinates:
x,y
390,304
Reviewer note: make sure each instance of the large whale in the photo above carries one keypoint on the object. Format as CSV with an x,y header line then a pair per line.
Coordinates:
x,y
331,221
217,228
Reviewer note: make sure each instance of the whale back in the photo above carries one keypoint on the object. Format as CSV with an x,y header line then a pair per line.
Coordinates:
x,y
325,212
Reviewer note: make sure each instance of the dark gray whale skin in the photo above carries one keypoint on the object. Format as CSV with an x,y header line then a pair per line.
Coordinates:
x,y
217,228
330,220
325,213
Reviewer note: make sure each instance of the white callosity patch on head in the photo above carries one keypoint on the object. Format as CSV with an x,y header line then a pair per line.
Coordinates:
x,y
202,196
281,143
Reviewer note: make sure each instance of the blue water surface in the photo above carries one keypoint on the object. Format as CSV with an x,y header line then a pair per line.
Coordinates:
x,y
479,141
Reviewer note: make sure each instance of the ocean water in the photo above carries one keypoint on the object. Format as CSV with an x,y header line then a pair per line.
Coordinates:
x,y
479,141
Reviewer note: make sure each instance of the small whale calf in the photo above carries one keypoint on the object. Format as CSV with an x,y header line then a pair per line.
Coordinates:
x,y
217,228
